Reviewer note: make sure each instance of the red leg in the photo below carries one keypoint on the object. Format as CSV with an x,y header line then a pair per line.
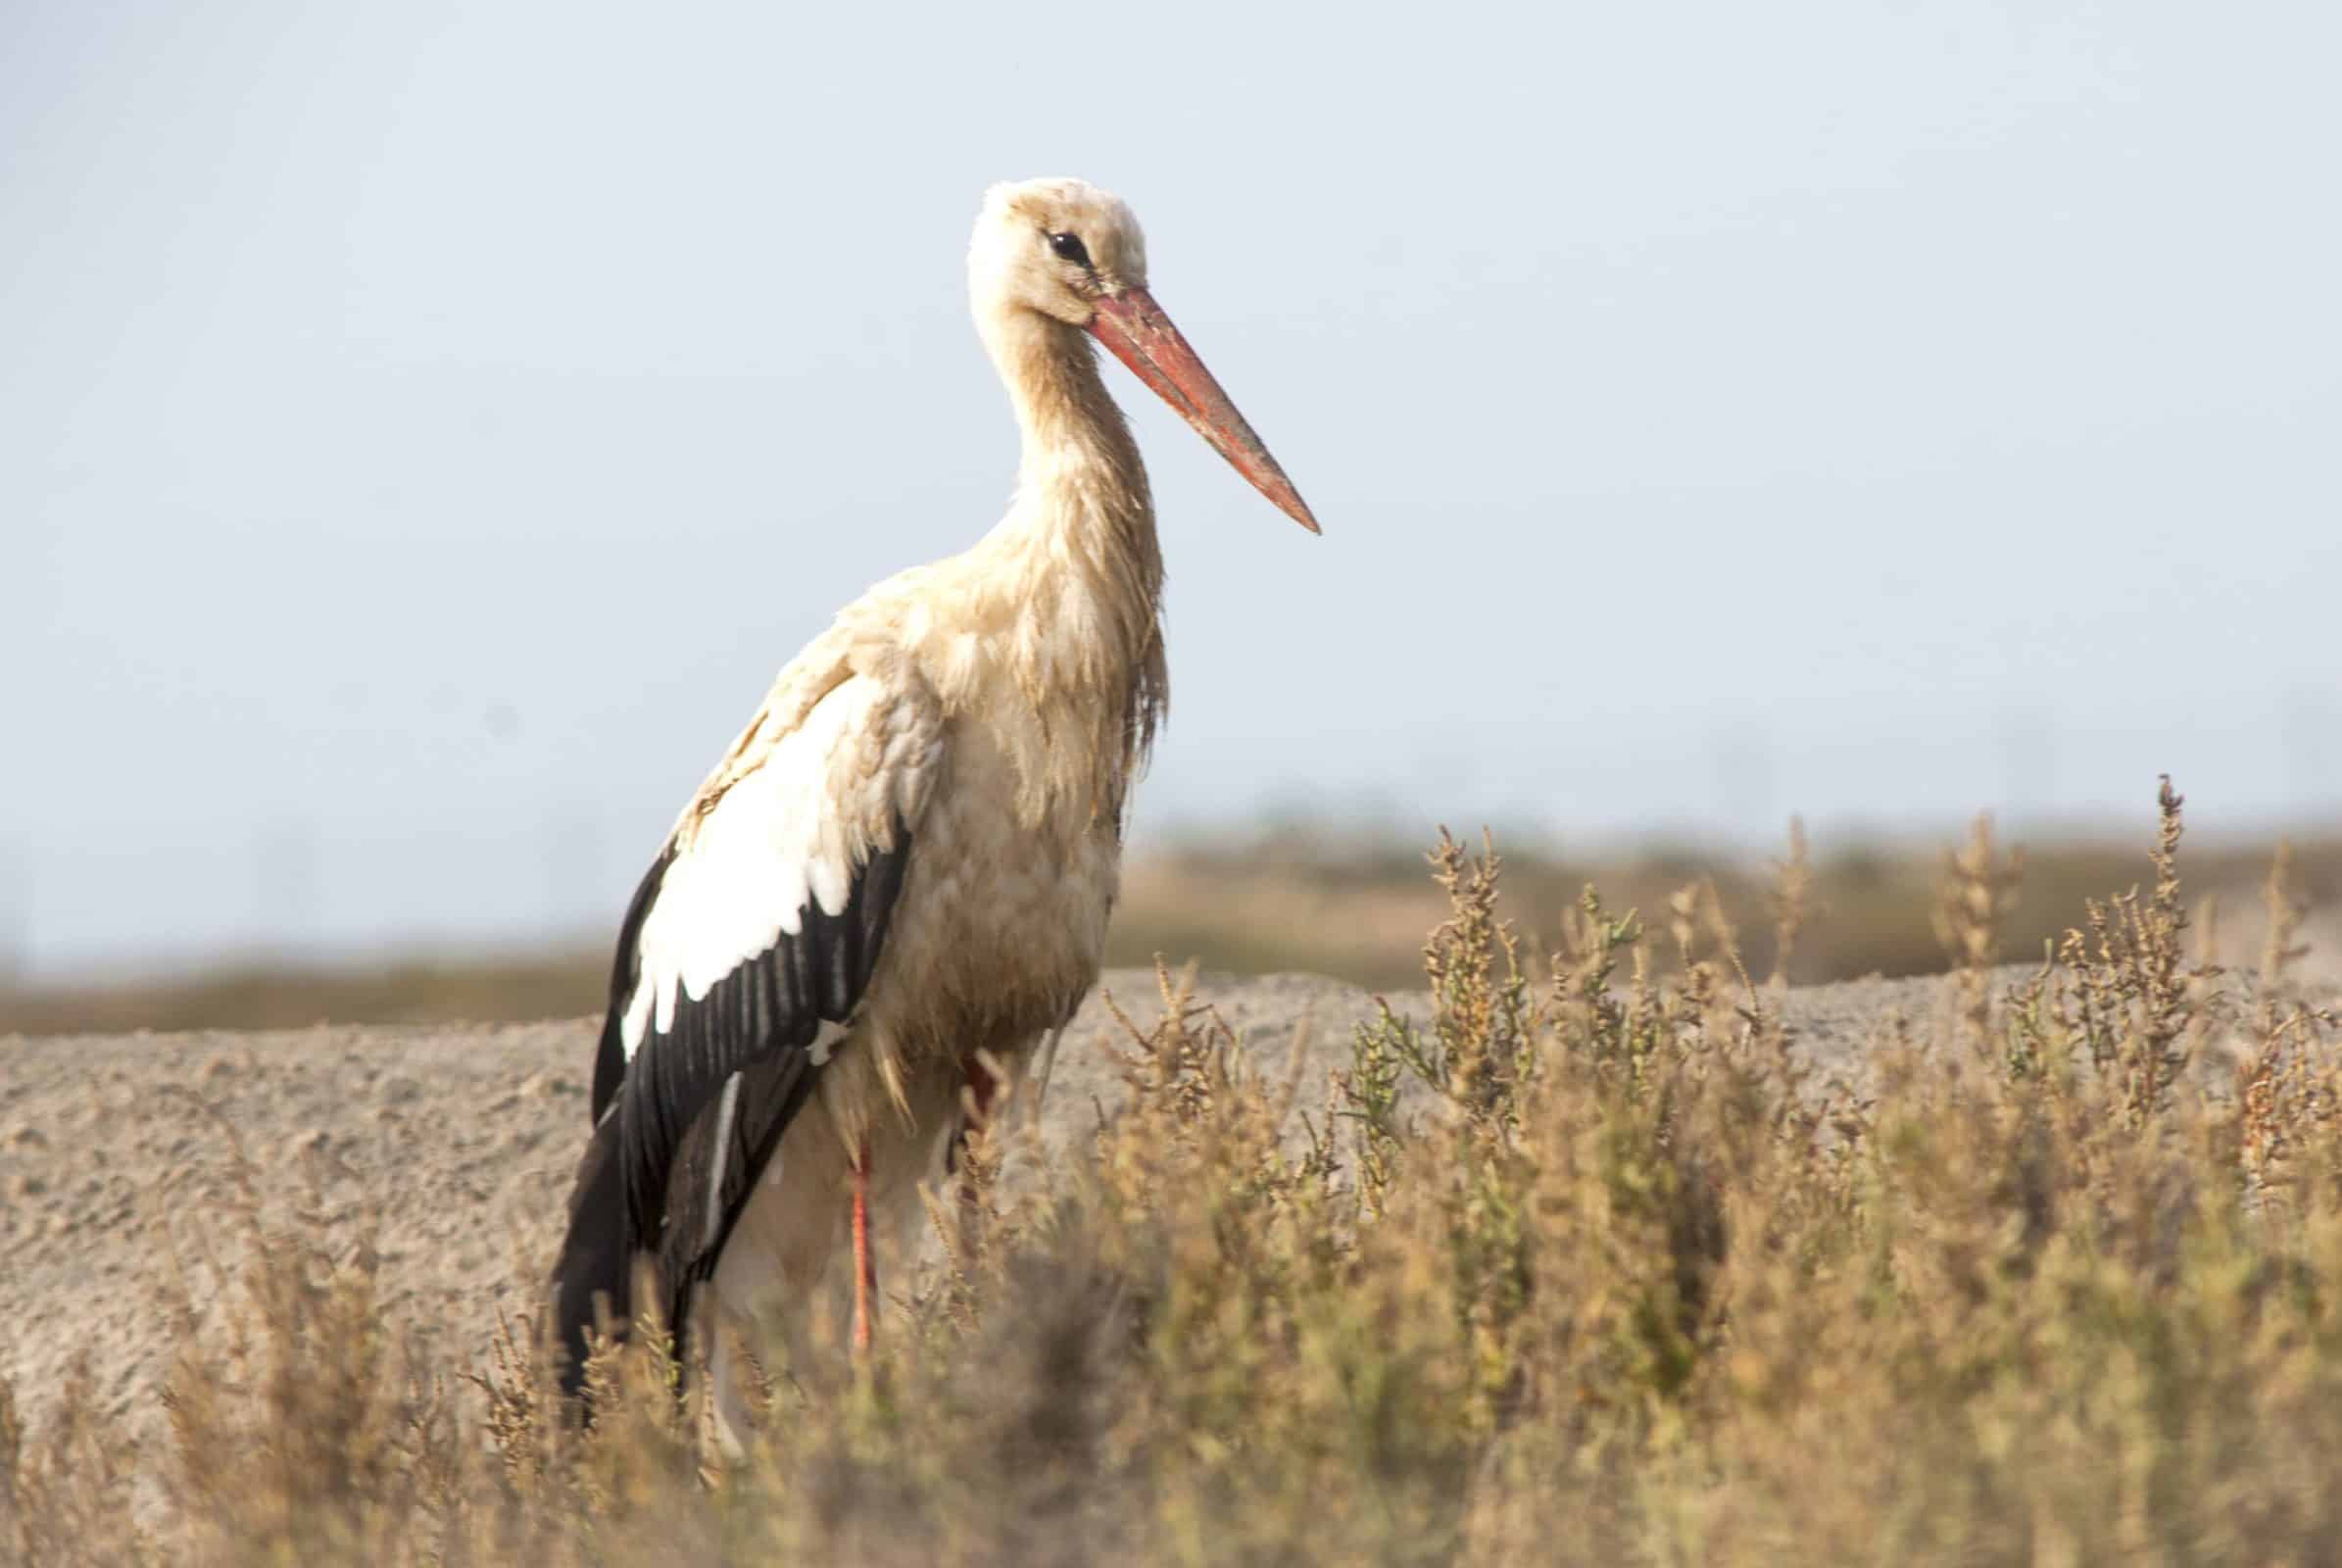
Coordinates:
x,y
865,1269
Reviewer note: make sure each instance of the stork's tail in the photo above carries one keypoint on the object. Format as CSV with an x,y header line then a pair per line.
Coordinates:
x,y
597,1262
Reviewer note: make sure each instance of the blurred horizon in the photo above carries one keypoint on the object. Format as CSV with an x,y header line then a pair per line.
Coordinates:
x,y
425,431
1352,907
545,897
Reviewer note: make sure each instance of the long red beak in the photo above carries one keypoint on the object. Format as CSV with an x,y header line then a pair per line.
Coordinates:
x,y
1142,337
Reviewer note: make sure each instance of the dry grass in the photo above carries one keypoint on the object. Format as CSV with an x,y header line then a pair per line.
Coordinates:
x,y
1588,1270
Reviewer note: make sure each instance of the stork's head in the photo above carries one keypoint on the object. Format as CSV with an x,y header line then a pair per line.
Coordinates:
x,y
1064,251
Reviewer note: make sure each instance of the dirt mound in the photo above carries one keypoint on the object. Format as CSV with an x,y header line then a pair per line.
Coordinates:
x,y
447,1149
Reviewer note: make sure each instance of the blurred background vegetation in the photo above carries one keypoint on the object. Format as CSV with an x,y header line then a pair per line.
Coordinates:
x,y
1279,898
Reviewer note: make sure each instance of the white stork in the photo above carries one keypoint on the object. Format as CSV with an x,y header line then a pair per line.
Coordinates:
x,y
907,858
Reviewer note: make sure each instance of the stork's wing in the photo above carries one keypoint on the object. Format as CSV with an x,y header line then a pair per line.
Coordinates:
x,y
744,957
723,1155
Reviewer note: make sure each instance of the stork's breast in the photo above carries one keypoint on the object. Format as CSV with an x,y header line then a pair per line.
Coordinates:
x,y
1002,927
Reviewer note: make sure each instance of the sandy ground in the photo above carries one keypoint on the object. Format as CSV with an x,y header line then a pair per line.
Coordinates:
x,y
453,1146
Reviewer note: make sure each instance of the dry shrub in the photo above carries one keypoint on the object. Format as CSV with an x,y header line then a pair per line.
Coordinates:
x,y
1587,1267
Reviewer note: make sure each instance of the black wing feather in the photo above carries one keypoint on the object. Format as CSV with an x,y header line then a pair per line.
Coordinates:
x,y
625,970
655,1142
771,1093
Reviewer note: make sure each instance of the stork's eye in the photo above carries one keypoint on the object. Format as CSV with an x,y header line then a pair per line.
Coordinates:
x,y
1069,248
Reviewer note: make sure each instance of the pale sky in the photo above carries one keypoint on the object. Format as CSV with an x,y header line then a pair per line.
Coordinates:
x,y
425,429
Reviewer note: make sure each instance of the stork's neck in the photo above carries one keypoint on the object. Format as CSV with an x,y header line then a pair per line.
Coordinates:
x,y
1080,480
1078,552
